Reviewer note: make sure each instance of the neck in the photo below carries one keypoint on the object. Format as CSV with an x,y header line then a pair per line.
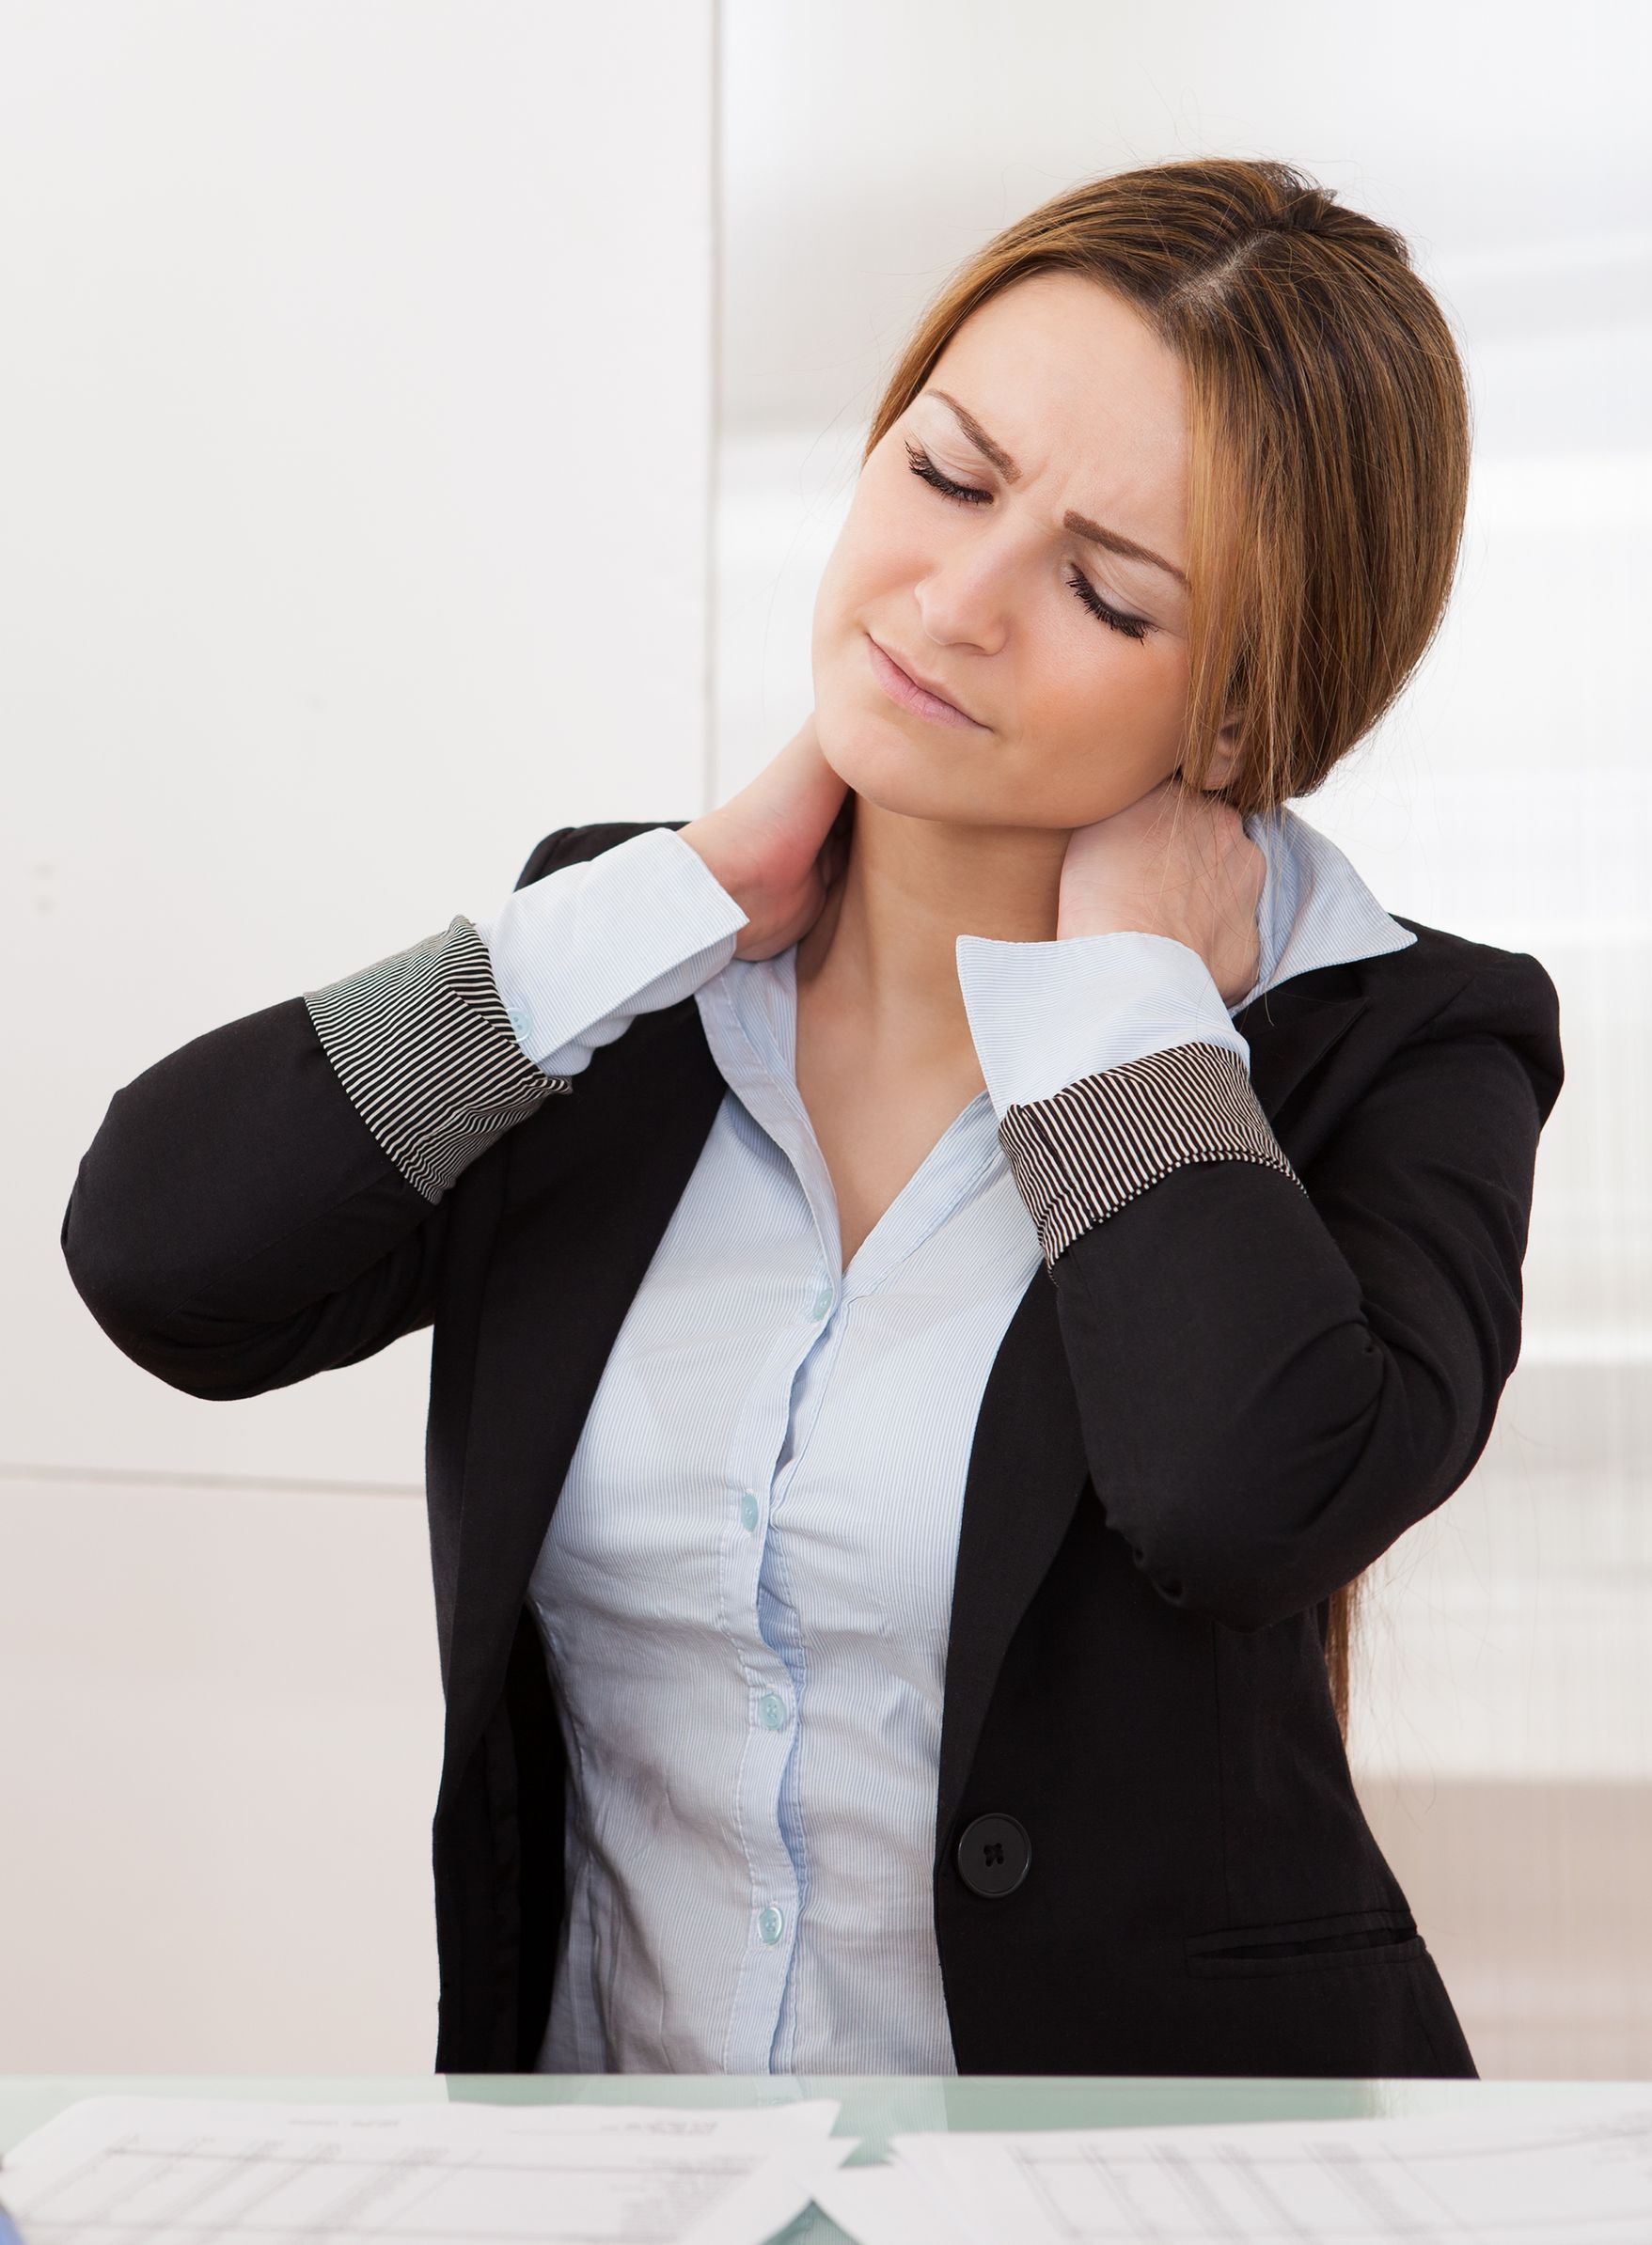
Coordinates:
x,y
881,958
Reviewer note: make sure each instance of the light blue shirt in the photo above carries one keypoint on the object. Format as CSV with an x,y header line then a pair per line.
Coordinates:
x,y
746,1589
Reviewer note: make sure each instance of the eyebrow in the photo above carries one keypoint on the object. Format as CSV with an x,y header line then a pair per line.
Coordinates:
x,y
1115,541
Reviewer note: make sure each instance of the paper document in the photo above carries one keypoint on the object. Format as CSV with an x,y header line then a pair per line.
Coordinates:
x,y
1523,2178
161,2170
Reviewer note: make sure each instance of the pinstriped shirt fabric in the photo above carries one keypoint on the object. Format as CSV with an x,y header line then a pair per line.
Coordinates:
x,y
1121,1131
438,998
743,1595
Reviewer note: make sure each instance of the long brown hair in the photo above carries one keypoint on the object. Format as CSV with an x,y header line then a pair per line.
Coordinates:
x,y
1330,439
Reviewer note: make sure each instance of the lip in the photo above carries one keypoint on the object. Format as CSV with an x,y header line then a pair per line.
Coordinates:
x,y
912,693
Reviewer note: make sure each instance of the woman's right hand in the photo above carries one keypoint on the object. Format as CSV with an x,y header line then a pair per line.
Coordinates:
x,y
779,844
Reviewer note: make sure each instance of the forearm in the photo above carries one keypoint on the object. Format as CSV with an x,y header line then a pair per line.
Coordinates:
x,y
239,1185
269,1200
1261,1429
1277,1373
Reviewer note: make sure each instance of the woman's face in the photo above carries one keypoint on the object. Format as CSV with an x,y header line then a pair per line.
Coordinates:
x,y
995,598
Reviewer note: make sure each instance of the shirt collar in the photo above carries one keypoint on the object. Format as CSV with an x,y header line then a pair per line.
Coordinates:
x,y
1316,910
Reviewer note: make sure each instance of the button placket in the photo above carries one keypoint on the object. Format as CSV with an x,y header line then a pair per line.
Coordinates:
x,y
770,1712
774,1888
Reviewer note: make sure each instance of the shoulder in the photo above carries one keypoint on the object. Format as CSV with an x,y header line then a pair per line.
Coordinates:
x,y
572,845
1445,987
1460,981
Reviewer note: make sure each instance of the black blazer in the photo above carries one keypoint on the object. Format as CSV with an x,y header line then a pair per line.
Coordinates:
x,y
1212,1408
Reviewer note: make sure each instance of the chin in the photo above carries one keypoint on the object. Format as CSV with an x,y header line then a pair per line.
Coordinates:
x,y
907,789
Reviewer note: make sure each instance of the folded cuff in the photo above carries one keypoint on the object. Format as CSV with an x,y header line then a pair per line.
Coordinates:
x,y
1080,1154
425,1051
1044,1014
579,952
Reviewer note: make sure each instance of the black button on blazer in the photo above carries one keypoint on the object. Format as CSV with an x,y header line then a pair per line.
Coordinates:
x,y
1219,1401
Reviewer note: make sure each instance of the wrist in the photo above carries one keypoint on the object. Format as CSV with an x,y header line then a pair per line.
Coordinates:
x,y
701,838
704,839
1076,921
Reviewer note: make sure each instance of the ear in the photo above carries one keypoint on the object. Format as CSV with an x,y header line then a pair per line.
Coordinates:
x,y
1224,761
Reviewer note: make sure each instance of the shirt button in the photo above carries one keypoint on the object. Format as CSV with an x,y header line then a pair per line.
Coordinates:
x,y
773,1710
748,1511
822,1301
771,1923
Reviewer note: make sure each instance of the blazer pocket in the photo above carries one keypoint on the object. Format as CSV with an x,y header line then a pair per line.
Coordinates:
x,y
1359,1937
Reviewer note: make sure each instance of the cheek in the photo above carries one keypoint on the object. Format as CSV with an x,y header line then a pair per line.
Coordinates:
x,y
1132,693
886,549
866,558
896,530
1153,685
1113,719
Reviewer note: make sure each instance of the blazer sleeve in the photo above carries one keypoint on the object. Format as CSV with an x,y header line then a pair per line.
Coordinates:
x,y
1278,1374
271,1200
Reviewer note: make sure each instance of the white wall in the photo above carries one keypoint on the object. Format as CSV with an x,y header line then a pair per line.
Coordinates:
x,y
354,419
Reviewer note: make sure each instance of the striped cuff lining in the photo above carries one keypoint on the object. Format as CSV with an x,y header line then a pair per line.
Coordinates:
x,y
424,1047
1080,1154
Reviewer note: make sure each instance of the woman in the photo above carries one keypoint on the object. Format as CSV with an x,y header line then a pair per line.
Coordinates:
x,y
1023,1229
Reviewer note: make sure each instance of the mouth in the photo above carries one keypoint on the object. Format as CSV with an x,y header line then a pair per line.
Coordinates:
x,y
923,700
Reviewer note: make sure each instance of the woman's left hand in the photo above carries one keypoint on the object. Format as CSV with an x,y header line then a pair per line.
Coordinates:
x,y
1179,863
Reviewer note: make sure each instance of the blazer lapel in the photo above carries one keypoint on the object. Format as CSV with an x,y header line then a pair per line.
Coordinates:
x,y
1290,1033
593,1178
1028,1465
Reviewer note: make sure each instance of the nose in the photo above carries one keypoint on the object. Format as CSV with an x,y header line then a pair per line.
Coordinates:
x,y
965,600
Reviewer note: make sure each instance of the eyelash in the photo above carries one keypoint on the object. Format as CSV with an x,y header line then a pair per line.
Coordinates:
x,y
922,466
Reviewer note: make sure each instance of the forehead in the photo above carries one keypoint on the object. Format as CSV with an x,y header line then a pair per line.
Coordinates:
x,y
1076,387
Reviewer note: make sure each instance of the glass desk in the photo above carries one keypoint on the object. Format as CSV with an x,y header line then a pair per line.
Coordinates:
x,y
875,2106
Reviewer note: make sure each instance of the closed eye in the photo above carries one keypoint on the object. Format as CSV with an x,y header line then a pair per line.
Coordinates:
x,y
1133,627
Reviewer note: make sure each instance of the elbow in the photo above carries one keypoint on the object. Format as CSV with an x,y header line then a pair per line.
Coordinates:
x,y
1235,1603
131,1308
1239,1584
1250,1552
